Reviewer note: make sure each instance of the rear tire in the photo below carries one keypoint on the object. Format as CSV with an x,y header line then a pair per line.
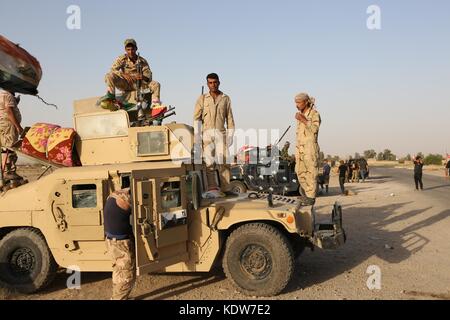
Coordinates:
x,y
258,260
26,263
238,186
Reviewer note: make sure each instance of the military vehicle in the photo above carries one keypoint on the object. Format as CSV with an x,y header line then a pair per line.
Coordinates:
x,y
57,220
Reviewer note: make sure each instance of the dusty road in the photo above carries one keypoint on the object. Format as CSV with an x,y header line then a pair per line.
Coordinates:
x,y
403,232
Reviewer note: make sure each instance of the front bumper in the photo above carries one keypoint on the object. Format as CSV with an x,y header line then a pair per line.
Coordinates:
x,y
330,235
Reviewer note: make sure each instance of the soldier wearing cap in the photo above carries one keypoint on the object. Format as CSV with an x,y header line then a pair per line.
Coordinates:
x,y
124,74
10,129
307,149
120,242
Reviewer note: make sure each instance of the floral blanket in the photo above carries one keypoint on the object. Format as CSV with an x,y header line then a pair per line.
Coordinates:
x,y
51,142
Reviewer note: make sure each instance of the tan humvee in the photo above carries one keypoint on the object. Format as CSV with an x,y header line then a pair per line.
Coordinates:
x,y
57,220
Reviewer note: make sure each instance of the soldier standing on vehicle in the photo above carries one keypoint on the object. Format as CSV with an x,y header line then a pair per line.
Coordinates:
x,y
213,111
307,149
124,75
120,242
10,130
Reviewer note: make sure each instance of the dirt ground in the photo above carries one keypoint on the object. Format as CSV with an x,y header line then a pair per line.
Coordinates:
x,y
388,225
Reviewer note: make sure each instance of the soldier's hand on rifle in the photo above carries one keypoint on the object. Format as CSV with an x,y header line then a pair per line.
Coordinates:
x,y
301,117
129,78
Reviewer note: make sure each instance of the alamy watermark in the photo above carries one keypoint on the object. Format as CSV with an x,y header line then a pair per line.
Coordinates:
x,y
74,280
73,21
374,20
374,280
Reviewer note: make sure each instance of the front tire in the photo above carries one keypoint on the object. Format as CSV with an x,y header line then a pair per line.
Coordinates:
x,y
258,260
26,263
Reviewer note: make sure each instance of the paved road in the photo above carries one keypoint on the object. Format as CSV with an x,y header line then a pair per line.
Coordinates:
x,y
437,187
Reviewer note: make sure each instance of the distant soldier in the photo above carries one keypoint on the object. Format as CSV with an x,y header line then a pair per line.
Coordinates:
x,y
307,149
124,75
355,171
326,175
120,243
447,168
213,111
10,130
342,171
363,168
285,151
418,165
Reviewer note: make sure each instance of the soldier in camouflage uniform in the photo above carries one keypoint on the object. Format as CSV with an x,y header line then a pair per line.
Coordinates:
x,y
10,129
285,151
120,243
124,75
307,149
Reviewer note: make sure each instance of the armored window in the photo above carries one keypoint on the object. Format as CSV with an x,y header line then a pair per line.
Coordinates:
x,y
170,195
84,196
102,125
152,143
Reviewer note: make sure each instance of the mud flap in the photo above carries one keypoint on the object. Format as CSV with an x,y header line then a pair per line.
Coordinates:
x,y
330,235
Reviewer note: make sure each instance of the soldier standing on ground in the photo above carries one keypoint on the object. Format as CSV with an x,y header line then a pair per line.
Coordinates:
x,y
326,174
363,168
120,243
124,75
342,170
10,130
307,149
355,171
418,165
447,168
213,111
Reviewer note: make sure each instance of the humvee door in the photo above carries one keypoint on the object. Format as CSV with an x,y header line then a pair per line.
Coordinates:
x,y
159,219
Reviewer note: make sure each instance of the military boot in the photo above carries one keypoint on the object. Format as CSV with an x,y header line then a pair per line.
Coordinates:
x,y
12,176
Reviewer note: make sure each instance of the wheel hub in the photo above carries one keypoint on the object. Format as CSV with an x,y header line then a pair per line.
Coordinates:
x,y
22,261
256,262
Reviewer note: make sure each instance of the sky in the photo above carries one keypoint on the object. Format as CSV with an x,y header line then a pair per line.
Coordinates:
x,y
375,89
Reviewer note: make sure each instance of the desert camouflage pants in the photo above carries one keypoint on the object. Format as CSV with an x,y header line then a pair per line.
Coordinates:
x,y
124,267
215,154
8,136
114,81
307,169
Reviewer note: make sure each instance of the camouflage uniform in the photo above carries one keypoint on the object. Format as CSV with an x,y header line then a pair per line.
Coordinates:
x,y
123,64
285,152
122,253
213,116
8,132
124,267
307,153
